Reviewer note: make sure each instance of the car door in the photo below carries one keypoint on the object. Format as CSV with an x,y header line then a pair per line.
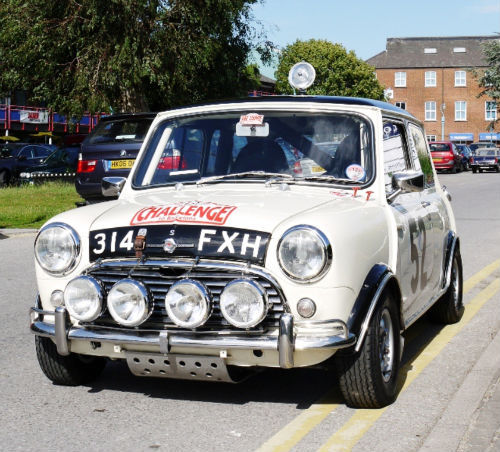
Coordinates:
x,y
410,214
436,217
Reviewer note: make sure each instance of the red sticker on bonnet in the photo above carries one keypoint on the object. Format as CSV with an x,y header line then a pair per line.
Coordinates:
x,y
184,212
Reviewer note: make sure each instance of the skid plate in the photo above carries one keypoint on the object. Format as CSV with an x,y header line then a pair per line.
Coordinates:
x,y
187,367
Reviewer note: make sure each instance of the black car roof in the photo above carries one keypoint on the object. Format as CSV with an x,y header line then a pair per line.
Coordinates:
x,y
322,99
120,116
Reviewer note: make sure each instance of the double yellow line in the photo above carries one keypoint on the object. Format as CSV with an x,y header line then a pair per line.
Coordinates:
x,y
361,421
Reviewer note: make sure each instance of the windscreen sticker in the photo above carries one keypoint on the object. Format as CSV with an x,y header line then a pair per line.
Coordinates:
x,y
355,172
252,119
184,212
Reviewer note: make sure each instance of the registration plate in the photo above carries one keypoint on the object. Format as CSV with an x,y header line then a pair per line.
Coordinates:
x,y
121,164
437,160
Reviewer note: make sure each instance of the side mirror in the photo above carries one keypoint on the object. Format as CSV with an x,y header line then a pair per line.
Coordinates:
x,y
408,181
112,186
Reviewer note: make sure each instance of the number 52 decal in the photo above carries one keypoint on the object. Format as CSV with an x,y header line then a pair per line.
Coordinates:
x,y
417,229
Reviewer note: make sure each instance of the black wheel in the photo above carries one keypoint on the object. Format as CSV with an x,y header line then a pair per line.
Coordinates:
x,y
368,379
4,177
450,307
497,168
453,170
71,370
480,170
474,170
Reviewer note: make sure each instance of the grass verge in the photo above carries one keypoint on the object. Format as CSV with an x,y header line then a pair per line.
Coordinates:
x,y
30,206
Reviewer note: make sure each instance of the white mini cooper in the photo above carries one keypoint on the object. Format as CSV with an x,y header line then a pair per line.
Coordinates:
x,y
265,232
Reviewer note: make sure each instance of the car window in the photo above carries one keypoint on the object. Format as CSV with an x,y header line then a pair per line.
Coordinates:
x,y
441,147
40,152
421,159
120,131
395,158
306,145
27,152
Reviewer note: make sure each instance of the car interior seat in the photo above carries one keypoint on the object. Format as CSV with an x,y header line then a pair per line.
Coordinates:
x,y
260,155
348,153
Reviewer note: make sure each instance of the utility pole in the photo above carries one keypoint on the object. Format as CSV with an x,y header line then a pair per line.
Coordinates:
x,y
443,108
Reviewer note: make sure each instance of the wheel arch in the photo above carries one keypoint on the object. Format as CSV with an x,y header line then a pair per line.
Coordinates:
x,y
380,280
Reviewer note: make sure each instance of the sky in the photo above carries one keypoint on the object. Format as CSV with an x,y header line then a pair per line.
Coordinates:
x,y
364,25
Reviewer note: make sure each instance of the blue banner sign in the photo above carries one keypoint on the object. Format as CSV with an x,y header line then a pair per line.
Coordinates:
x,y
489,136
461,137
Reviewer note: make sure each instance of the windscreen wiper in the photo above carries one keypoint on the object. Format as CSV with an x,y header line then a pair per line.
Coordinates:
x,y
243,175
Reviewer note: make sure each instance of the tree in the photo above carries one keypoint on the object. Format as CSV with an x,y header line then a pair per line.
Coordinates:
x,y
338,72
489,80
126,55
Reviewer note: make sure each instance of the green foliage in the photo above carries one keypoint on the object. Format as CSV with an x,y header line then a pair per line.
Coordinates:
x,y
338,72
489,80
30,206
126,55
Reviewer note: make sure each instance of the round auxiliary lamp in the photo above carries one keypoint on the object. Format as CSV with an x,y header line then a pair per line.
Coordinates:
x,y
301,76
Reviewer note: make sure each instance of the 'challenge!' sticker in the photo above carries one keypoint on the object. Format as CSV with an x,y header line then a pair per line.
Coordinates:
x,y
355,172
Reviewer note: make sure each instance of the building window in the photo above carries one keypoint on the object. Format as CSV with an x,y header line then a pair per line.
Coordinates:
x,y
400,79
430,78
460,110
459,50
491,111
430,50
460,78
401,105
430,138
430,111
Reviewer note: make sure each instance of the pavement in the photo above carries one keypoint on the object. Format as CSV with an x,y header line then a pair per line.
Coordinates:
x,y
471,421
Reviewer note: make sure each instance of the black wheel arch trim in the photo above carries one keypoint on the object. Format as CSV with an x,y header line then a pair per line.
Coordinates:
x,y
378,279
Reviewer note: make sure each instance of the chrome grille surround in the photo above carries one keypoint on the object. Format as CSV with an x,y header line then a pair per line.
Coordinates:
x,y
158,275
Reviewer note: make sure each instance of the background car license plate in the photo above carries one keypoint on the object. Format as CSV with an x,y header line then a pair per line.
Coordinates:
x,y
437,160
121,164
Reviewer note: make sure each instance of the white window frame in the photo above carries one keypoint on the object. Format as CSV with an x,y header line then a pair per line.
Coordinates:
x,y
430,110
460,78
460,113
430,78
430,138
490,114
400,79
401,105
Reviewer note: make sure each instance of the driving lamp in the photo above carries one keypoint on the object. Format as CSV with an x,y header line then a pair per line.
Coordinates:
x,y
188,303
304,253
83,298
243,303
301,76
129,302
57,248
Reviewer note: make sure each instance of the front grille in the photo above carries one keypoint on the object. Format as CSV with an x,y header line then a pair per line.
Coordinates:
x,y
159,278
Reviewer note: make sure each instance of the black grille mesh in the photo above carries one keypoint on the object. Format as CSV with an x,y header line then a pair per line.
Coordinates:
x,y
159,279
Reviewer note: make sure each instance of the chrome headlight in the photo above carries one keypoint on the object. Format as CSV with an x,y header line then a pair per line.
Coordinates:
x,y
83,298
188,303
129,302
57,248
243,303
304,253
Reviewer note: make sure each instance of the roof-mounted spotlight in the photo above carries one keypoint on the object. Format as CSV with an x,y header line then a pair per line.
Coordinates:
x,y
301,76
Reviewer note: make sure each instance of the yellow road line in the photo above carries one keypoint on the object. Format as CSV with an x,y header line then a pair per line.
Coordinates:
x,y
479,276
362,420
299,427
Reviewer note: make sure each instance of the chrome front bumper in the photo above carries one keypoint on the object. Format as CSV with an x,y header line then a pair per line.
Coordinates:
x,y
292,336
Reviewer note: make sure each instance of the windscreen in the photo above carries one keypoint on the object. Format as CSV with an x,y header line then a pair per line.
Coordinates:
x,y
322,147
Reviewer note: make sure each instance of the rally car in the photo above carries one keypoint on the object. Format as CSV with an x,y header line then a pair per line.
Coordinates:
x,y
227,259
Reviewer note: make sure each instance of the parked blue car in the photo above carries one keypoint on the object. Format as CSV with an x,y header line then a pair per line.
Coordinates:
x,y
18,157
110,150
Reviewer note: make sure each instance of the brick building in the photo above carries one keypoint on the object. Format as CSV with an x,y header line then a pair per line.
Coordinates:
x,y
423,75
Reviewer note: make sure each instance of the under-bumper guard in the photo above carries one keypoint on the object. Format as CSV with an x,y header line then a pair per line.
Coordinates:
x,y
332,334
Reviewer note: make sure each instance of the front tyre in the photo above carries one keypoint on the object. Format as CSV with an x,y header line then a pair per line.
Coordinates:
x,y
71,370
450,307
368,379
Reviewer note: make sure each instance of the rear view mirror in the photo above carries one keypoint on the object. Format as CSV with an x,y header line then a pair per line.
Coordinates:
x,y
408,181
112,186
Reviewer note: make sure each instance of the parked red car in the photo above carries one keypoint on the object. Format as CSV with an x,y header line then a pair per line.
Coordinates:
x,y
446,156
